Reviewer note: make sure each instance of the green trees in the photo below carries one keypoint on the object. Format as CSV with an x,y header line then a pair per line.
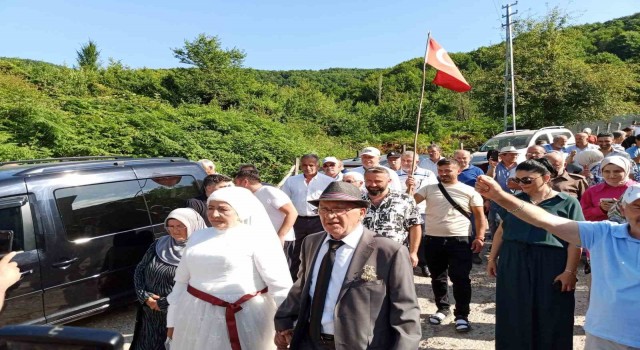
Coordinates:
x,y
216,78
88,56
561,76
215,108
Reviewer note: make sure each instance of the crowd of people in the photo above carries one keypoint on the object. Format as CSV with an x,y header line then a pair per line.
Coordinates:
x,y
327,260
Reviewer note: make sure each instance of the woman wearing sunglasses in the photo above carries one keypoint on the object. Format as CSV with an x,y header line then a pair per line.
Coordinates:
x,y
536,271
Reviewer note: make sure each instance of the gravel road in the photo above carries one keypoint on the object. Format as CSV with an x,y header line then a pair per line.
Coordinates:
x,y
434,337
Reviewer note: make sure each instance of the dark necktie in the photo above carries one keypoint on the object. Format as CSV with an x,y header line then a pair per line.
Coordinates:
x,y
320,292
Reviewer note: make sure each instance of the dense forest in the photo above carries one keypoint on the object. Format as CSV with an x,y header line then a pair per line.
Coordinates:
x,y
215,108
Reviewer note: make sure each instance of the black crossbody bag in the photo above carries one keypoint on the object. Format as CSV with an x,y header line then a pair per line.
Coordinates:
x,y
454,203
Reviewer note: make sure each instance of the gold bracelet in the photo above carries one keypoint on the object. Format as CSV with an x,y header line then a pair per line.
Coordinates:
x,y
517,209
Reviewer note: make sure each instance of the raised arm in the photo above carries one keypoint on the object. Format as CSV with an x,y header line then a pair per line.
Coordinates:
x,y
563,228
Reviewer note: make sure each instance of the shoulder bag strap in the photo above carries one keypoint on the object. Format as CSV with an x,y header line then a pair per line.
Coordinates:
x,y
454,203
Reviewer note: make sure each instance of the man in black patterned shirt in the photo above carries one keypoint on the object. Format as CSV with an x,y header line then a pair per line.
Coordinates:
x,y
392,214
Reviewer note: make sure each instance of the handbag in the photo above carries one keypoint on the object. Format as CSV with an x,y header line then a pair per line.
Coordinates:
x,y
452,202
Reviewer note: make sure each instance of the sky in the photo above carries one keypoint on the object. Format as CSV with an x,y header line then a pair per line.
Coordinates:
x,y
274,34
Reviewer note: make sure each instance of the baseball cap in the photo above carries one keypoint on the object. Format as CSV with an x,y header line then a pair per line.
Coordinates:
x,y
330,160
393,154
631,194
370,151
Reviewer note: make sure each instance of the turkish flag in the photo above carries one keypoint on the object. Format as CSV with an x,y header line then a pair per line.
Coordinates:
x,y
448,75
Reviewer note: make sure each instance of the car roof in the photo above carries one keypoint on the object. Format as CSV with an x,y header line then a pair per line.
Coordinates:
x,y
58,165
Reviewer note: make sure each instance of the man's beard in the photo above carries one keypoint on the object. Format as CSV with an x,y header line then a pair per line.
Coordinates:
x,y
445,180
375,191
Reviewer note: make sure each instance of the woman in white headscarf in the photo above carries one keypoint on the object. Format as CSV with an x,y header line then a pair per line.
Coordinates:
x,y
597,200
153,278
230,280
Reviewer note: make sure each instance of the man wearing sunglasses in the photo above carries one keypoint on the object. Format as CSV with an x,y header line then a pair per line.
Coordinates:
x,y
332,167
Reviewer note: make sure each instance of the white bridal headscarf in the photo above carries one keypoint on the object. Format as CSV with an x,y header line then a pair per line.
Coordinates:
x,y
249,209
168,249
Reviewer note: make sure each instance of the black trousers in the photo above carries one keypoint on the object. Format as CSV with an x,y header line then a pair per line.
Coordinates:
x,y
308,344
450,257
304,226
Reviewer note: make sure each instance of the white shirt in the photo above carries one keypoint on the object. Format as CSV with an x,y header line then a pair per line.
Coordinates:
x,y
395,181
579,150
300,192
273,199
443,220
428,164
338,176
340,267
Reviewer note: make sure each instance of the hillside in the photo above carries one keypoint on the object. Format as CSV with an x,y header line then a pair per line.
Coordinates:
x,y
217,109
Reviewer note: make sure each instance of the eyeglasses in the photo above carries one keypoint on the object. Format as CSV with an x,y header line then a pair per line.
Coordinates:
x,y
337,211
177,227
524,180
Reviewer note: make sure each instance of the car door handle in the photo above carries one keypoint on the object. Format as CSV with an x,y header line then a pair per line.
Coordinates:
x,y
64,264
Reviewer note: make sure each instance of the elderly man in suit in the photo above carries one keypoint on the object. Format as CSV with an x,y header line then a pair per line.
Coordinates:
x,y
355,288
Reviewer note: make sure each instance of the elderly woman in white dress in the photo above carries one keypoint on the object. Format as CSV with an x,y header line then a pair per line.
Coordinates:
x,y
230,280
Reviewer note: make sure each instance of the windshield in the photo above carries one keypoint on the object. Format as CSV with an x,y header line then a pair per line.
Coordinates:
x,y
517,141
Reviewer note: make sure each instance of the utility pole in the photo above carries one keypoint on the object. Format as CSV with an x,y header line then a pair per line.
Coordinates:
x,y
509,81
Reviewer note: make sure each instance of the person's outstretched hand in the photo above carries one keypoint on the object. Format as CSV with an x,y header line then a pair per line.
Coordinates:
x,y
9,272
488,187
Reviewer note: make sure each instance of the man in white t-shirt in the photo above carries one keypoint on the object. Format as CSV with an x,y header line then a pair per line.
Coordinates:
x,y
278,205
448,248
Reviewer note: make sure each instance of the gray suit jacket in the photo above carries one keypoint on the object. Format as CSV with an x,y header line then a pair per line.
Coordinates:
x,y
380,314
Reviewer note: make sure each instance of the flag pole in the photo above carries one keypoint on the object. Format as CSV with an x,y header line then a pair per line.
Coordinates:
x,y
415,139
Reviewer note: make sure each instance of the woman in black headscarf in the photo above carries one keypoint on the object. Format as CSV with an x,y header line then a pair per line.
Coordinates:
x,y
154,275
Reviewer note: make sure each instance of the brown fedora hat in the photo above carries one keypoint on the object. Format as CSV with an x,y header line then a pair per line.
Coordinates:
x,y
339,191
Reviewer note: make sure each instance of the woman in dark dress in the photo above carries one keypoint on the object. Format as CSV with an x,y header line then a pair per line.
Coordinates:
x,y
154,278
536,273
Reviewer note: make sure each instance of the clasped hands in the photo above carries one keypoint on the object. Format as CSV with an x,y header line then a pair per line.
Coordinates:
x,y
283,339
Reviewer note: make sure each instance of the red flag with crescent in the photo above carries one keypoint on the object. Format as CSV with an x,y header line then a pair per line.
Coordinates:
x,y
448,75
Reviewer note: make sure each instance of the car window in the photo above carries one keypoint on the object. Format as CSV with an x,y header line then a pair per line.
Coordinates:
x,y
163,194
564,133
101,209
11,220
543,139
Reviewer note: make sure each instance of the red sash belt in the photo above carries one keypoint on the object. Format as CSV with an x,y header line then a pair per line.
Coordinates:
x,y
230,312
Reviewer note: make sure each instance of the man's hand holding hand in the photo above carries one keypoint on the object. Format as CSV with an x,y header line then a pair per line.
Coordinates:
x,y
283,338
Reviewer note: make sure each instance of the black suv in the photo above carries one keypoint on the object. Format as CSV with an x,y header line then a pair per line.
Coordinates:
x,y
83,225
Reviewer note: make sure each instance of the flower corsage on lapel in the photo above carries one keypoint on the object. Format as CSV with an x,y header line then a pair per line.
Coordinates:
x,y
369,273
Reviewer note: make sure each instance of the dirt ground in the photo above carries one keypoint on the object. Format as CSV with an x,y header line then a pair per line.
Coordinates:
x,y
444,336
482,317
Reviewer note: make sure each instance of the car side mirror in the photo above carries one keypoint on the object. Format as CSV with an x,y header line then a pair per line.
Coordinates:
x,y
59,338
